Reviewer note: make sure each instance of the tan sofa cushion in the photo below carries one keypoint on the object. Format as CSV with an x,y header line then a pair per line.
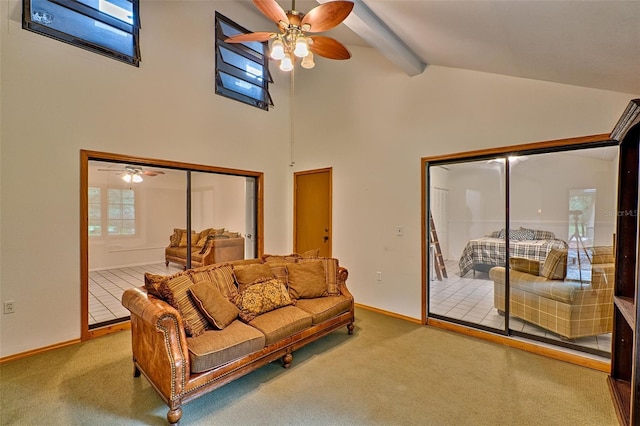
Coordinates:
x,y
281,323
217,347
555,265
307,280
251,274
324,308
218,310
330,270
522,264
601,254
262,297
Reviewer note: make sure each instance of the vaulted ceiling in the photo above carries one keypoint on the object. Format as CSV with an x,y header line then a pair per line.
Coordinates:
x,y
591,43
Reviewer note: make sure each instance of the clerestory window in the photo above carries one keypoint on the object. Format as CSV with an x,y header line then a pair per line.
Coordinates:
x,y
242,69
107,27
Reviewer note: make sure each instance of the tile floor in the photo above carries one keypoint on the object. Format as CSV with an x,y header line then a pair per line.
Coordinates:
x,y
106,288
471,299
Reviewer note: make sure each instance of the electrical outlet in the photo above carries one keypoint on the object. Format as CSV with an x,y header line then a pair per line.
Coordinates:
x,y
378,276
9,307
399,231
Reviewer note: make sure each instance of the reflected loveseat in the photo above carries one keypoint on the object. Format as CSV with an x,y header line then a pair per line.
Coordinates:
x,y
209,246
541,293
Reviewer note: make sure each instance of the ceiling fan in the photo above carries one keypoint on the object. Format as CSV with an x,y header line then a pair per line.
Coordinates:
x,y
293,42
133,173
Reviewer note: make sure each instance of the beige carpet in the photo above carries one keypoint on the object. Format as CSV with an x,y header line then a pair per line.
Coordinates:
x,y
390,372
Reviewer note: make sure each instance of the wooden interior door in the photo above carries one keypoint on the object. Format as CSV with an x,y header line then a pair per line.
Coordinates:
x,y
312,211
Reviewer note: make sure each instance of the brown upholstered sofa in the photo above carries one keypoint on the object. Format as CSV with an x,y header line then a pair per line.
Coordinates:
x,y
541,294
209,246
199,329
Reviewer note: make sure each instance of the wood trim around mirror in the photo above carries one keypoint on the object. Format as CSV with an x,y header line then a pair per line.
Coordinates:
x,y
85,157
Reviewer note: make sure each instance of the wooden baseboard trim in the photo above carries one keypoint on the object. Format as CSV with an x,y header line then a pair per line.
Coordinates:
x,y
39,350
114,328
388,313
532,347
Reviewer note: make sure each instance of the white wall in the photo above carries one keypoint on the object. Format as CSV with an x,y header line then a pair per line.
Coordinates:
x,y
375,141
364,117
58,99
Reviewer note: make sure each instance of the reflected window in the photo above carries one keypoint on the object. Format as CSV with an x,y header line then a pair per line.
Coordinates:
x,y
95,212
107,27
121,212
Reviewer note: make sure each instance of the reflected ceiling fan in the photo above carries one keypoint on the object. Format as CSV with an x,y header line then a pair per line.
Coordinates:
x,y
133,173
293,42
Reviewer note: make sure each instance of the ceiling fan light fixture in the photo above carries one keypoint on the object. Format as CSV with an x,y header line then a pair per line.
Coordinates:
x,y
302,48
307,61
287,63
136,179
127,178
277,49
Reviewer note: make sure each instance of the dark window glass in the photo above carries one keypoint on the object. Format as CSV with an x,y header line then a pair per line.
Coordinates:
x,y
107,27
242,69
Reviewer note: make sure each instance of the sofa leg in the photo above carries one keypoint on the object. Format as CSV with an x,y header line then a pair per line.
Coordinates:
x,y
166,263
350,328
287,360
136,370
174,415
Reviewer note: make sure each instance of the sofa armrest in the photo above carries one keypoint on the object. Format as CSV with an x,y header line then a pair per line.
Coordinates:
x,y
159,342
342,275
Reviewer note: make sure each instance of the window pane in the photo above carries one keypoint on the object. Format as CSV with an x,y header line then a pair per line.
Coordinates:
x,y
241,86
106,27
253,70
128,212
119,9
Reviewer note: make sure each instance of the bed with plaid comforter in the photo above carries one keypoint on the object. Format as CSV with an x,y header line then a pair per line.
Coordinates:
x,y
481,254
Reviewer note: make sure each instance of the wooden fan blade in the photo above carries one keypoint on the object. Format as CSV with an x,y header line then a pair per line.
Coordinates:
x,y
326,16
328,47
243,38
272,10
152,172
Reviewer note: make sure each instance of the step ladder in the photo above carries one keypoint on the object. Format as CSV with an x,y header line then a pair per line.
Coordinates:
x,y
441,270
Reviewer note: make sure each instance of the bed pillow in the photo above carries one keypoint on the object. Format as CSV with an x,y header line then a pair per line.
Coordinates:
x,y
218,310
517,234
555,265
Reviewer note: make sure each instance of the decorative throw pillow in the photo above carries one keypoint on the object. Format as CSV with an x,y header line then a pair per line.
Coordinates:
x,y
330,266
310,253
176,236
194,239
220,275
555,265
307,280
251,274
152,283
218,310
263,297
522,264
289,258
176,293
